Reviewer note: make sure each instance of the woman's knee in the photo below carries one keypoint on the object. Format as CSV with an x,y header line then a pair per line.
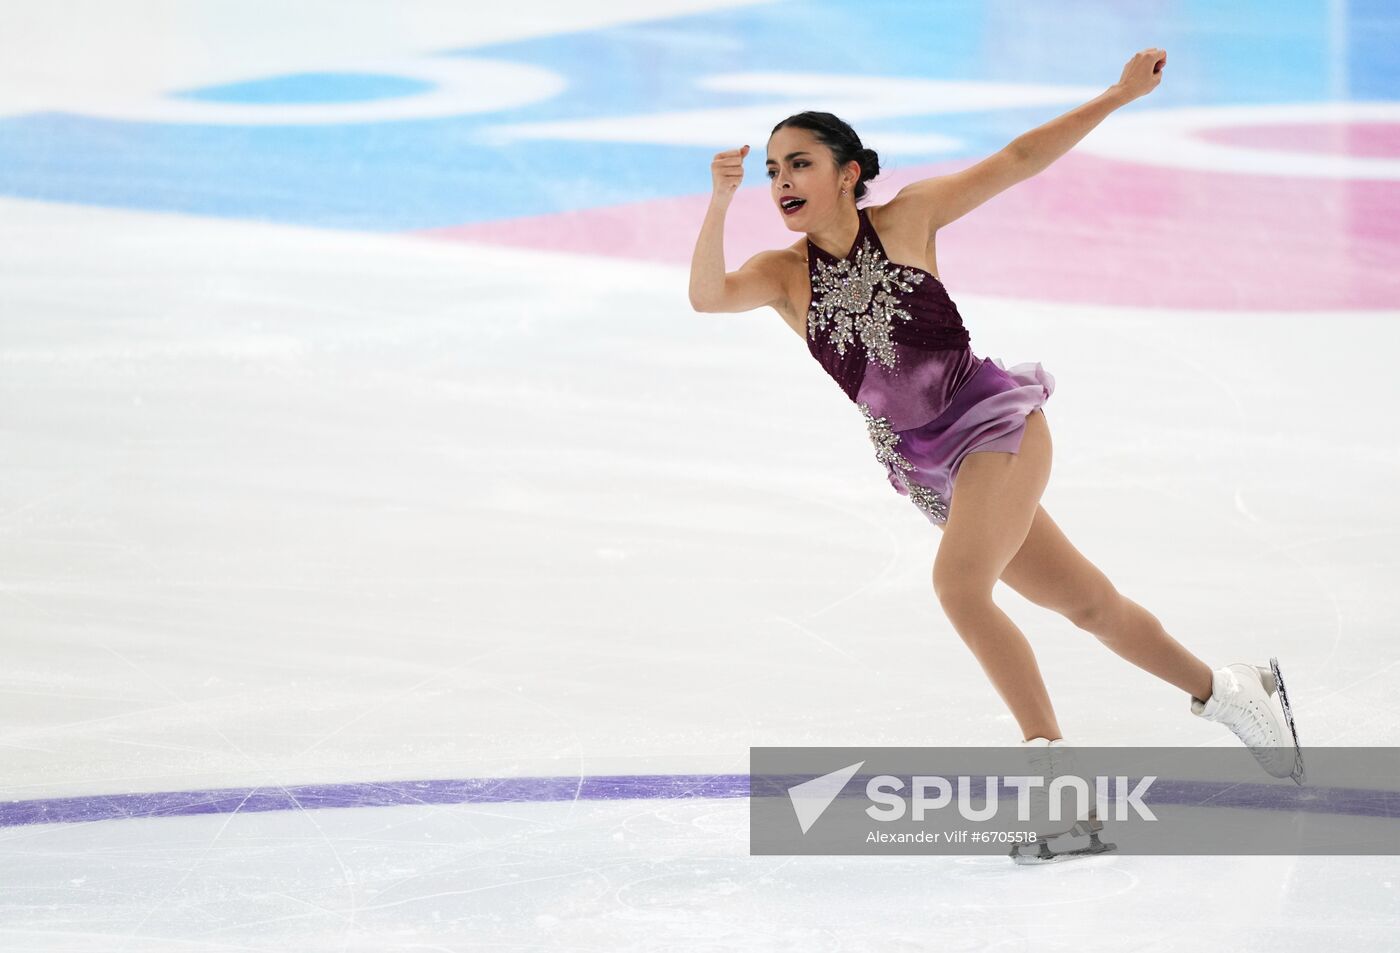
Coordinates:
x,y
1095,606
960,592
1050,572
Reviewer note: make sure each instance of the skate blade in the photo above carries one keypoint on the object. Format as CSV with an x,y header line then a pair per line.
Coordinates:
x,y
1299,771
1030,855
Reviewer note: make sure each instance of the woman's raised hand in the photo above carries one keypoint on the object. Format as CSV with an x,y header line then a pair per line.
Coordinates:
x,y
1143,72
728,171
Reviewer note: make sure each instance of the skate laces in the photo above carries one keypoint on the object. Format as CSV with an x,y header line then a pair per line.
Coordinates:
x,y
1253,724
1246,717
1049,762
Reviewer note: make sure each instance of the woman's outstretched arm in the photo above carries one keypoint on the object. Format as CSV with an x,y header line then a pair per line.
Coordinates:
x,y
942,199
1044,144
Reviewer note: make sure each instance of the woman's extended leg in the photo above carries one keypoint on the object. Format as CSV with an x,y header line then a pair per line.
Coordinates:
x,y
1050,572
994,500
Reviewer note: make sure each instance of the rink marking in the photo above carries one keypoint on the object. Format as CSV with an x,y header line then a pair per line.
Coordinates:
x,y
1361,802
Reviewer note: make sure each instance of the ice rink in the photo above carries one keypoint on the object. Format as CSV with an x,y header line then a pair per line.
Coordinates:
x,y
392,560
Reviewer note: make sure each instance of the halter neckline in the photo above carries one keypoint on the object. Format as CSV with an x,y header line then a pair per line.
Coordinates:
x,y
860,214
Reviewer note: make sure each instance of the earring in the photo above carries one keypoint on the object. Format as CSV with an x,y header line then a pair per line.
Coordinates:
x,y
843,191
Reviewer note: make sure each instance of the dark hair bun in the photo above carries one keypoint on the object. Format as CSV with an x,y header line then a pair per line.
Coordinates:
x,y
869,164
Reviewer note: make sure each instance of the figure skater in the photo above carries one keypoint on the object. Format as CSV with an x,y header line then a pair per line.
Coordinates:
x,y
963,437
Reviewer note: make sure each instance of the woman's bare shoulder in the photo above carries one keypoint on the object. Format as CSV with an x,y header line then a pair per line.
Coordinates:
x,y
890,217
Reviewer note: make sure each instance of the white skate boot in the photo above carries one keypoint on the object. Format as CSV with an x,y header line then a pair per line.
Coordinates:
x,y
1051,759
1243,699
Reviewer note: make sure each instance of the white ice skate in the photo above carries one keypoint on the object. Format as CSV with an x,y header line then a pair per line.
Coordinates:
x,y
1051,759
1243,699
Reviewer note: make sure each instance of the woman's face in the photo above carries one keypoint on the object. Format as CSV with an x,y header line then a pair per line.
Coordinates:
x,y
800,167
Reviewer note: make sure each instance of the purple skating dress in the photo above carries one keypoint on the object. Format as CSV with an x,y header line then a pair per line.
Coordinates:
x,y
893,339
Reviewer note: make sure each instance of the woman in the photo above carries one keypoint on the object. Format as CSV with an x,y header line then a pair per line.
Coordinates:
x,y
963,437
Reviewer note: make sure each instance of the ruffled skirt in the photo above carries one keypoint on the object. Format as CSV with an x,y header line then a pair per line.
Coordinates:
x,y
986,413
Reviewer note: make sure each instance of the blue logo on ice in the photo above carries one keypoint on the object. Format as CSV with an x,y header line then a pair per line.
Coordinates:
x,y
810,799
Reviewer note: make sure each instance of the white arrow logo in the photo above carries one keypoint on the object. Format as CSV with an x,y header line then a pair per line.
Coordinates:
x,y
810,799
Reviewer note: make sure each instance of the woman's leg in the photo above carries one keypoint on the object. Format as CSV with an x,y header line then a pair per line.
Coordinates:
x,y
994,501
1050,572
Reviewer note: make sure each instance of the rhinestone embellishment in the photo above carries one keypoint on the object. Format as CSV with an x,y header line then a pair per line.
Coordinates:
x,y
884,438
856,299
928,500
886,442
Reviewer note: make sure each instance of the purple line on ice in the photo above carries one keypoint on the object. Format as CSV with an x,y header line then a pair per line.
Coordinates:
x,y
107,807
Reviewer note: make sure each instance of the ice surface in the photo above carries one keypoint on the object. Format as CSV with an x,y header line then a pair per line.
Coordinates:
x,y
286,505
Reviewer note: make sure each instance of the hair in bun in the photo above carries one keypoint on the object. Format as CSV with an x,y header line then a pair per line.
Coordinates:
x,y
843,142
